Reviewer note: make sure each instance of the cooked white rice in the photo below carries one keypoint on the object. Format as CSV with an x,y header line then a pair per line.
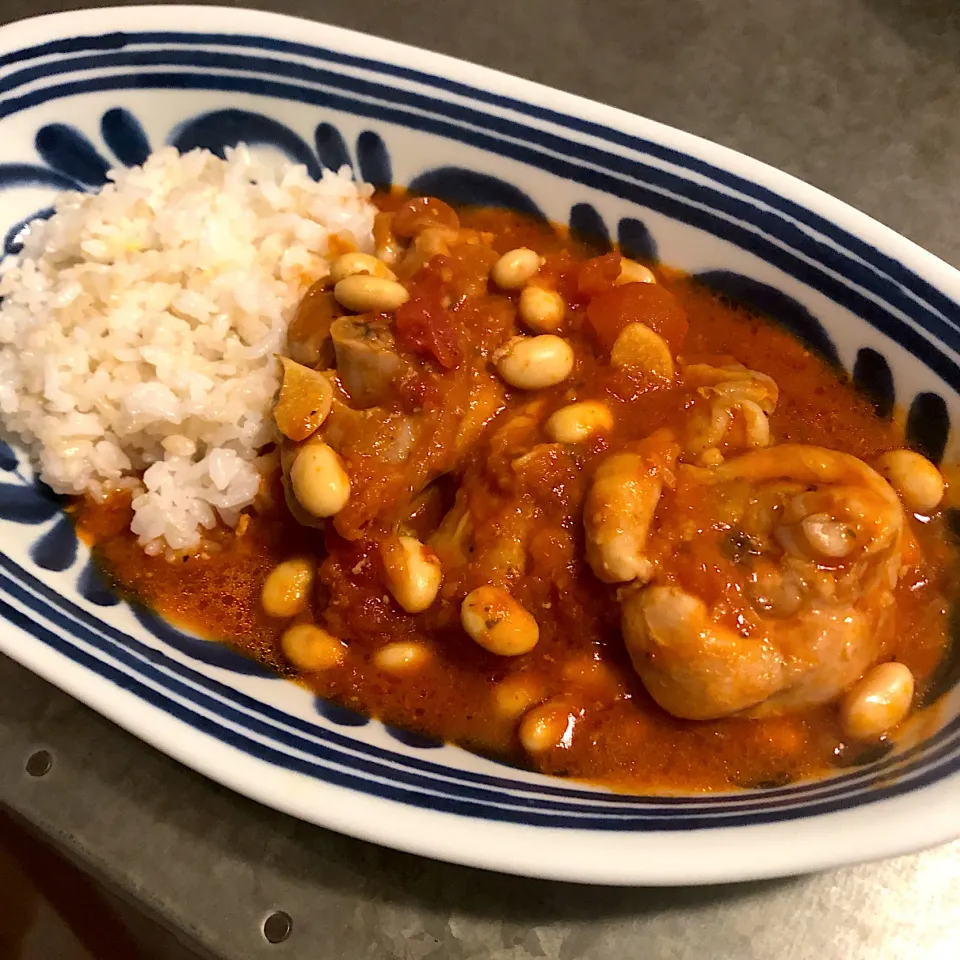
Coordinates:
x,y
139,327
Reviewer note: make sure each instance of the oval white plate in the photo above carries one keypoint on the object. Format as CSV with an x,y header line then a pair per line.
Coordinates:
x,y
81,92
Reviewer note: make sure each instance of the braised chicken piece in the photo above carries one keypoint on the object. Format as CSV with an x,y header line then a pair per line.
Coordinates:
x,y
812,545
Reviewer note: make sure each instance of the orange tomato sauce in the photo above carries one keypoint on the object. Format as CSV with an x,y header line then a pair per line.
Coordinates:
x,y
624,740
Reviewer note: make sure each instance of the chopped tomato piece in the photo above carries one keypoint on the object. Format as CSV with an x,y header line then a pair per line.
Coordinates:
x,y
598,274
647,303
424,325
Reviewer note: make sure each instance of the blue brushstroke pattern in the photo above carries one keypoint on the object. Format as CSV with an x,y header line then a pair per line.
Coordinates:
x,y
11,241
220,129
457,185
8,459
67,150
874,379
207,651
124,135
587,226
33,175
776,305
417,740
373,158
331,147
92,585
636,241
342,716
928,425
33,504
57,549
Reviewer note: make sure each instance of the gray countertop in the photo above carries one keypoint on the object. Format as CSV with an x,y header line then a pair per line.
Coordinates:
x,y
860,98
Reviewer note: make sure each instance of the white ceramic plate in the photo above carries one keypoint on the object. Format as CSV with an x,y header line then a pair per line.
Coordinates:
x,y
81,92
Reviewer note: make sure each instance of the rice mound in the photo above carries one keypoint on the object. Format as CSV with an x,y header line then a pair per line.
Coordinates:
x,y
139,327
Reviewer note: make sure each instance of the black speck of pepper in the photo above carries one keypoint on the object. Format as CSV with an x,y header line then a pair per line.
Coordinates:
x,y
739,547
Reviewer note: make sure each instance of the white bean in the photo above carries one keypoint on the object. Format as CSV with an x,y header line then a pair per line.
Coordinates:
x,y
363,294
515,268
319,482
592,675
494,620
541,310
359,264
517,694
633,272
311,648
287,588
549,727
413,572
577,422
401,657
878,701
918,483
533,363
